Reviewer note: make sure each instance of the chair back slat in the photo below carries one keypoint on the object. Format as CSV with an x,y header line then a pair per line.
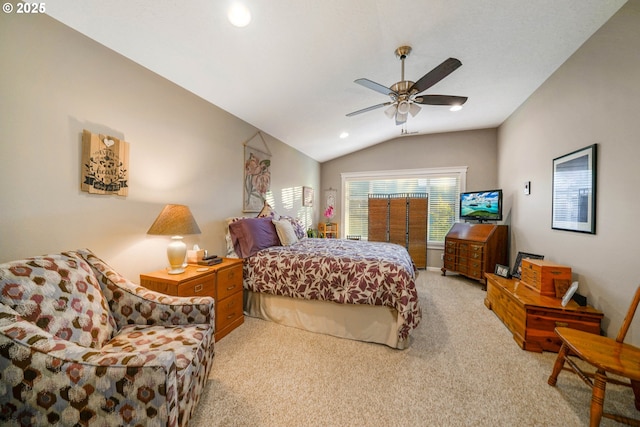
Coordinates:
x,y
629,317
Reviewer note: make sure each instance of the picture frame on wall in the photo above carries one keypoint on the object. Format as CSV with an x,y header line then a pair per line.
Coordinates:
x,y
573,206
307,196
517,266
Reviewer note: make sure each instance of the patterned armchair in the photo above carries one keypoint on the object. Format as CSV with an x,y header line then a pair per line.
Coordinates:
x,y
81,345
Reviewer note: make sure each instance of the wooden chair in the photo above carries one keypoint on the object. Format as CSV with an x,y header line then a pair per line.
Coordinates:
x,y
606,356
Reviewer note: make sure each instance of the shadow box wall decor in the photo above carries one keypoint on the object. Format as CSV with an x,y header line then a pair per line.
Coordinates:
x,y
257,173
574,191
105,164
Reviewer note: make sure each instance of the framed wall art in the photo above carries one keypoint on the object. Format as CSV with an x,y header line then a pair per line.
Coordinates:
x,y
573,205
307,196
105,164
257,175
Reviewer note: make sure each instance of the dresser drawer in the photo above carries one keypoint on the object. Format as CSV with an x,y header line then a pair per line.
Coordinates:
x,y
228,311
229,282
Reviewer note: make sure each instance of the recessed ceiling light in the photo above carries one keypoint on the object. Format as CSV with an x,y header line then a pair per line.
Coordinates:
x,y
455,108
343,135
239,15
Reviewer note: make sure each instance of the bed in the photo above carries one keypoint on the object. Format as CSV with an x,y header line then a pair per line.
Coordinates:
x,y
351,289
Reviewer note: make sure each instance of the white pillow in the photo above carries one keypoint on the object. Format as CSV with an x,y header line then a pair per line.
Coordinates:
x,y
285,231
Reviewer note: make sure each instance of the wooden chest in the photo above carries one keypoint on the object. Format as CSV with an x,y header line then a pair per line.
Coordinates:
x,y
541,275
532,317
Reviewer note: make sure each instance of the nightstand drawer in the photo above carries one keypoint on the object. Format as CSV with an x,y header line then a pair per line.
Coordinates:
x,y
198,288
229,281
228,310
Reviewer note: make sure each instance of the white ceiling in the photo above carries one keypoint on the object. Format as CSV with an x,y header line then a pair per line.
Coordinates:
x,y
291,71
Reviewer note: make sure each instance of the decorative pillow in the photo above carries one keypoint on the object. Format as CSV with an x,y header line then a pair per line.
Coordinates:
x,y
60,294
285,231
267,211
297,225
252,234
231,250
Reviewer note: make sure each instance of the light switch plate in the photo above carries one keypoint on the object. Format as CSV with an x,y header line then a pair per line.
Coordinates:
x,y
527,187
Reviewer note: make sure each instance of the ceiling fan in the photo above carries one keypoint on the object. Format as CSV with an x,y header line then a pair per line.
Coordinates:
x,y
405,94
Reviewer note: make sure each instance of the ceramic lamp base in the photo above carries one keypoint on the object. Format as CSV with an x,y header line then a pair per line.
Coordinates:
x,y
176,252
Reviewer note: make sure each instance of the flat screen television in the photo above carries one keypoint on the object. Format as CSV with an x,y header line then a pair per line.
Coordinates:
x,y
481,205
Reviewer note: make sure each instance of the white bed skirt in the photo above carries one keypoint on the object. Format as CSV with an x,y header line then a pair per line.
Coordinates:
x,y
367,323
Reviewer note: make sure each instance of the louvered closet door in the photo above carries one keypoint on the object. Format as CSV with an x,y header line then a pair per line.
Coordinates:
x,y
417,209
378,210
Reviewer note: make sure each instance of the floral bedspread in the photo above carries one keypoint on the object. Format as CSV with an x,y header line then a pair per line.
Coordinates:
x,y
342,271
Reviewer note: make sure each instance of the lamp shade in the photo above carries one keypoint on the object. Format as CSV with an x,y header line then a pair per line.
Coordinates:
x,y
176,221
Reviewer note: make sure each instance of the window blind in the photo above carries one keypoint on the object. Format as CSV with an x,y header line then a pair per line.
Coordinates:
x,y
443,186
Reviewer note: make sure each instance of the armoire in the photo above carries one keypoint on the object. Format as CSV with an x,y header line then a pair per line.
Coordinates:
x,y
402,219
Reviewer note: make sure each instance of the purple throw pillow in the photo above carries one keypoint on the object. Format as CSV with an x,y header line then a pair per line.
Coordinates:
x,y
252,234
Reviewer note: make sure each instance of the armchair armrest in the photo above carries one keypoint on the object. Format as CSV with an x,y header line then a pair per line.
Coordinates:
x,y
47,380
134,304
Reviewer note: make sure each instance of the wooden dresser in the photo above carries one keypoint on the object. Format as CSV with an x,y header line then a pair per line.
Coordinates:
x,y
532,317
222,281
474,249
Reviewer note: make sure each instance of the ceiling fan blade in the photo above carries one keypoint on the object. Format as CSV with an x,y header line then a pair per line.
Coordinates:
x,y
440,99
434,76
373,107
375,86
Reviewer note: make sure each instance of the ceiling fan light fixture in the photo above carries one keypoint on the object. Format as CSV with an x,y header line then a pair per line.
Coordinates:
x,y
239,15
455,108
414,109
391,111
403,107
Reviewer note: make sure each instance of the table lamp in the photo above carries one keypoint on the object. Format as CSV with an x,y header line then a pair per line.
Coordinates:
x,y
175,221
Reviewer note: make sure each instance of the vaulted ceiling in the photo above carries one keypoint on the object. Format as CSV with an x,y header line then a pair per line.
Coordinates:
x,y
291,71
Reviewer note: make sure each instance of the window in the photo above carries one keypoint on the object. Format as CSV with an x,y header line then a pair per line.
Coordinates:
x,y
443,185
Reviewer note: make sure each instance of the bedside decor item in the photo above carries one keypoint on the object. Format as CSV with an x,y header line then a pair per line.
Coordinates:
x,y
517,266
257,175
573,206
307,197
105,164
175,221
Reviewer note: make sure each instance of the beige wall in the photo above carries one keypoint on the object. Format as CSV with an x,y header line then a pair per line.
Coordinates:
x,y
55,82
594,98
476,149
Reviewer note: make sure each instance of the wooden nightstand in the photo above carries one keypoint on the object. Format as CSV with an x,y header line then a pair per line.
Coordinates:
x,y
221,281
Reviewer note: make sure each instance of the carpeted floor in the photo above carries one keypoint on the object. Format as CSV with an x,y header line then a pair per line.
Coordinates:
x,y
463,369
